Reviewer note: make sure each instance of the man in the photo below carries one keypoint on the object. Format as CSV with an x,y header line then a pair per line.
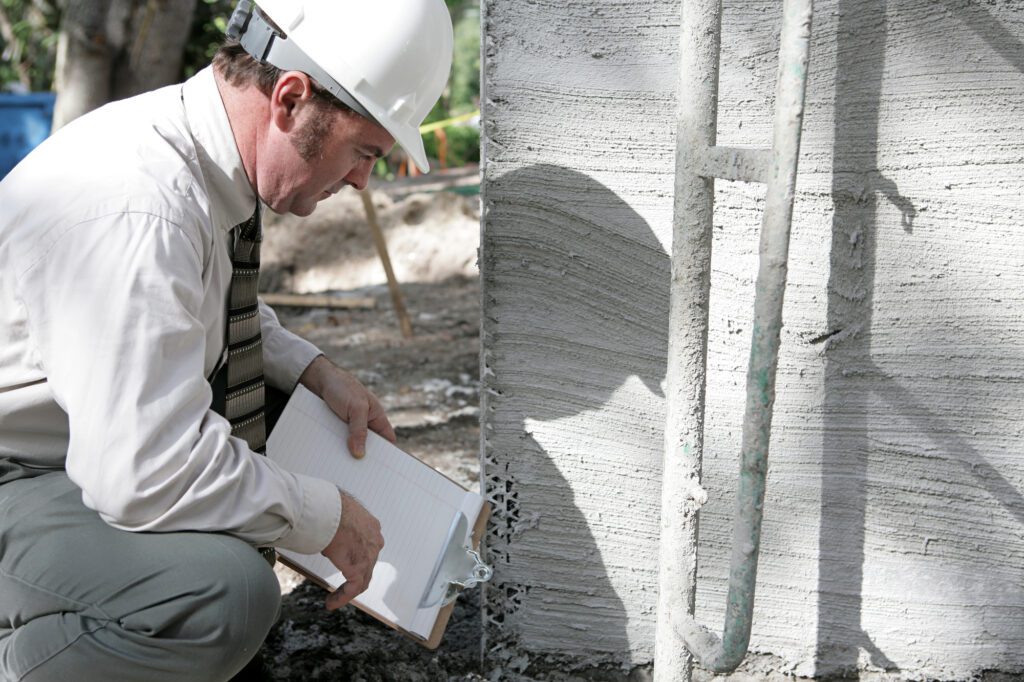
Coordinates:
x,y
132,513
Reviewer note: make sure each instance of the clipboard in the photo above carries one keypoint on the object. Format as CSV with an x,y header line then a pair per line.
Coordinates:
x,y
432,526
443,616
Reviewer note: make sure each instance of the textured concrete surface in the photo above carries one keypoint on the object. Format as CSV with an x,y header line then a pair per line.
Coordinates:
x,y
894,528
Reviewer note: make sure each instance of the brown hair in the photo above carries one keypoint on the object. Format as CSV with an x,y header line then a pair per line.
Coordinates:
x,y
241,70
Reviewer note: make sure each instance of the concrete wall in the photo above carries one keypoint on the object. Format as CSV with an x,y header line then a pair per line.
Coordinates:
x,y
894,529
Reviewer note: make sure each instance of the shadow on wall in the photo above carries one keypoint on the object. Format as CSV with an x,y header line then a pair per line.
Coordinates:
x,y
575,288
854,385
989,29
861,38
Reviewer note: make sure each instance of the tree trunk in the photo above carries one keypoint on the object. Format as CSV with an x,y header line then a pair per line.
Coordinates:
x,y
152,55
84,55
111,49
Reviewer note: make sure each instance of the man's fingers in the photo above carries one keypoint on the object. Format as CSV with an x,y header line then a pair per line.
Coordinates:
x,y
336,600
357,443
382,427
349,590
351,401
357,431
354,550
342,596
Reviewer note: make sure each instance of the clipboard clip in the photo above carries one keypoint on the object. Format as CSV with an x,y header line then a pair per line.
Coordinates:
x,y
458,568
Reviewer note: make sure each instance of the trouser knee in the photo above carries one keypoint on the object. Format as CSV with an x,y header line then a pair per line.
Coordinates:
x,y
234,601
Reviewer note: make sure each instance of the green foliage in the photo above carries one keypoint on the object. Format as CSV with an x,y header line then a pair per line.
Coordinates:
x,y
464,88
463,93
463,145
211,19
28,43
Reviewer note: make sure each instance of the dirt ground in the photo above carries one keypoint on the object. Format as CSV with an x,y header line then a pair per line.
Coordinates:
x,y
428,384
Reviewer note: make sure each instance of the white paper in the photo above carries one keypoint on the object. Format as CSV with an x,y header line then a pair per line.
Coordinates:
x,y
414,504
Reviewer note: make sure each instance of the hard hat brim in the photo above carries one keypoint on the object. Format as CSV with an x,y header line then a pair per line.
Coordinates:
x,y
412,142
406,136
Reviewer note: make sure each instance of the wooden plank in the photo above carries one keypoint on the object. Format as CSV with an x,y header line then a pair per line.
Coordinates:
x,y
318,301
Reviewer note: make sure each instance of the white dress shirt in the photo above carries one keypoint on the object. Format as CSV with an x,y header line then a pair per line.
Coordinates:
x,y
114,275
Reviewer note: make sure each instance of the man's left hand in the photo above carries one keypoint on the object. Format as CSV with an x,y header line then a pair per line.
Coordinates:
x,y
350,400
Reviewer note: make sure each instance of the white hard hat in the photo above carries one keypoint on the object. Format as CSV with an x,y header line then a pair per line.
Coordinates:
x,y
386,59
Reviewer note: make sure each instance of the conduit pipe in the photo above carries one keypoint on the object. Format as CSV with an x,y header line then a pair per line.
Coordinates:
x,y
693,210
698,162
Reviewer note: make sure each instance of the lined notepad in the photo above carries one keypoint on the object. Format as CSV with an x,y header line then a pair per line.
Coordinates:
x,y
415,504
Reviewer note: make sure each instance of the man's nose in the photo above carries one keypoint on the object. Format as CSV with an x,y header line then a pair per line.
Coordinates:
x,y
359,176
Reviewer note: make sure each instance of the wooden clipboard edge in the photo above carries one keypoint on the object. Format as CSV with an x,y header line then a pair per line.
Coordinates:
x,y
437,633
444,614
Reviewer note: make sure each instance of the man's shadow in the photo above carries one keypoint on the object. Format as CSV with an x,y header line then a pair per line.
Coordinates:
x,y
575,318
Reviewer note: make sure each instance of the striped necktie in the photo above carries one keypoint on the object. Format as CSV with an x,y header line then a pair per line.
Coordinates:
x,y
244,389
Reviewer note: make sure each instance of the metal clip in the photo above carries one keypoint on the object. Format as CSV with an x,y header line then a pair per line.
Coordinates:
x,y
480,573
239,20
458,568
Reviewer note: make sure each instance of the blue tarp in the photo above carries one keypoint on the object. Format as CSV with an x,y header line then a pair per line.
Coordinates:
x,y
24,123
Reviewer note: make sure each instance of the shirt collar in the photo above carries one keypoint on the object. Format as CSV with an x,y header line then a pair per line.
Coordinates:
x,y
232,199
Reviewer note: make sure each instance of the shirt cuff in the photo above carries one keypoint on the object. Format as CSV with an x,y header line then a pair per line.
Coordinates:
x,y
321,514
284,372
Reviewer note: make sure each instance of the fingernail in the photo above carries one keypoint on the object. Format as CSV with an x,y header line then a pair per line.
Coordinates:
x,y
359,454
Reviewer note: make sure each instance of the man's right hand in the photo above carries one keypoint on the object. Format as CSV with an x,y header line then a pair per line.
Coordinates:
x,y
353,550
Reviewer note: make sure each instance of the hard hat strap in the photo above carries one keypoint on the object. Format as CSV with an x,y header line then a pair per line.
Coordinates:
x,y
267,45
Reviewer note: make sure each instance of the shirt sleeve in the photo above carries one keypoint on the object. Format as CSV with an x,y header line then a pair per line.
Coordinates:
x,y
285,355
113,310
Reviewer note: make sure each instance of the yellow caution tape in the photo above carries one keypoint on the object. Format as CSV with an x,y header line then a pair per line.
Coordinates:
x,y
436,125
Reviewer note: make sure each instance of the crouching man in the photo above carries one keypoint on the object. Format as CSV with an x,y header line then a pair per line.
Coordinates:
x,y
137,513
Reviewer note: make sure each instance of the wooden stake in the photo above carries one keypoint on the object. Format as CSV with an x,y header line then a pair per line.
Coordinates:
x,y
317,301
382,250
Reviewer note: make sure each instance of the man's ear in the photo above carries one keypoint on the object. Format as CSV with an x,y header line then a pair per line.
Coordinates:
x,y
291,93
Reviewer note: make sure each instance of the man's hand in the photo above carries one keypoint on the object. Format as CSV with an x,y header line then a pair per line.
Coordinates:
x,y
353,550
350,400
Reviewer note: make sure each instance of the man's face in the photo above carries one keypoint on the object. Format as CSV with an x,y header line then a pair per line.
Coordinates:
x,y
325,150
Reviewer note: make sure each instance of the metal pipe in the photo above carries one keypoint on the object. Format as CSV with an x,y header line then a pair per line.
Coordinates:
x,y
725,654
699,44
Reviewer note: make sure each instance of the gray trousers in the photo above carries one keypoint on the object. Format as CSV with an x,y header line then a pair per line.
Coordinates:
x,y
82,602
